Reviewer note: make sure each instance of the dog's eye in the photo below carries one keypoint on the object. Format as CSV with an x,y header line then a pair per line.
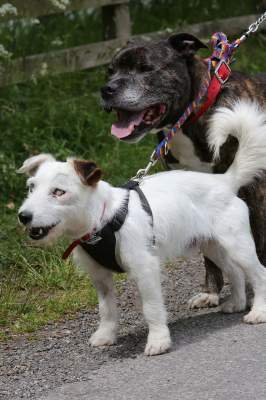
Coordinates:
x,y
31,187
110,70
58,192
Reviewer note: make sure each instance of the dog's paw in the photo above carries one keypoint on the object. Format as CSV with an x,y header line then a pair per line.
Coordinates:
x,y
203,300
102,338
255,317
233,306
158,343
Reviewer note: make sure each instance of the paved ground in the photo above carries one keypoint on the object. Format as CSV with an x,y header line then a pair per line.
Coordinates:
x,y
214,356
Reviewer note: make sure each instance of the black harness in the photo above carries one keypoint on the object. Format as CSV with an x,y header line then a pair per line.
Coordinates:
x,y
101,247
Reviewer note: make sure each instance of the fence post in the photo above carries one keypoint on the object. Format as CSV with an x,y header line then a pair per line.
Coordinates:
x,y
116,21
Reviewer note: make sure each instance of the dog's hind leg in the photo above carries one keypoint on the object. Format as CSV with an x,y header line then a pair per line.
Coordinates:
x,y
102,279
255,274
146,273
255,197
234,236
237,300
209,297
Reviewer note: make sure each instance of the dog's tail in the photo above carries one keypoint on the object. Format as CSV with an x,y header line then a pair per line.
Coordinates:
x,y
247,122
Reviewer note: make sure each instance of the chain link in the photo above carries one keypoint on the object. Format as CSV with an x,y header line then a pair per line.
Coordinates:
x,y
254,27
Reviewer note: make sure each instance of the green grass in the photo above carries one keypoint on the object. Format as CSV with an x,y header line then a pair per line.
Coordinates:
x,y
62,115
36,285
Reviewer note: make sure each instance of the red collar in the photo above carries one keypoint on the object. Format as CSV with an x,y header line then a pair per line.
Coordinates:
x,y
84,238
221,75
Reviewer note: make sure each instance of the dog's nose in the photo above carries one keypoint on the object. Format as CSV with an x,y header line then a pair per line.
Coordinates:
x,y
25,217
109,90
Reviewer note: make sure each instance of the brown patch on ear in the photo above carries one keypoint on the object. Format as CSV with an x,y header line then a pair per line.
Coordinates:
x,y
88,172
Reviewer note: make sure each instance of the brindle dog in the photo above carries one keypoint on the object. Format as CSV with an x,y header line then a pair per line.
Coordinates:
x,y
150,85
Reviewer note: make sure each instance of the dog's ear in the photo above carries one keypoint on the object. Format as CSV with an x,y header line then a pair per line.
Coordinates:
x,y
88,172
186,44
31,165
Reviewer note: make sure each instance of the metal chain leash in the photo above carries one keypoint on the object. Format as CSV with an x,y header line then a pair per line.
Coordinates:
x,y
254,27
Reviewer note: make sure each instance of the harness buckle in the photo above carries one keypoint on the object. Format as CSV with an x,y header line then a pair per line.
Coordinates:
x,y
93,239
222,76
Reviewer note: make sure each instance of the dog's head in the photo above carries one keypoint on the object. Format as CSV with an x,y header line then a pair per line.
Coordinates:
x,y
59,197
149,84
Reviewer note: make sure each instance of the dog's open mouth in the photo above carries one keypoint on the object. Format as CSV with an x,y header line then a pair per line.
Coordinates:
x,y
129,121
37,233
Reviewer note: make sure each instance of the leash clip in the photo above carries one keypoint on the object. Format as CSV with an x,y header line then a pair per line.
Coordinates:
x,y
166,147
143,172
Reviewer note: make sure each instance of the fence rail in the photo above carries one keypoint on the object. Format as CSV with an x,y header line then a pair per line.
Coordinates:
x,y
39,8
116,18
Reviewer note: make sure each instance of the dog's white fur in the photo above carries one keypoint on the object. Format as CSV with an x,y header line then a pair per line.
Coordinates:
x,y
189,208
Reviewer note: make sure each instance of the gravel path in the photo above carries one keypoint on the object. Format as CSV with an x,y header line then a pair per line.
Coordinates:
x,y
61,355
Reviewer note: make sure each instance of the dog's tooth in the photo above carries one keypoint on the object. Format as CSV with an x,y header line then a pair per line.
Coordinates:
x,y
40,231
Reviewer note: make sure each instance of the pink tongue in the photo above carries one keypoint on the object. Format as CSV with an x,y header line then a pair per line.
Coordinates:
x,y
124,128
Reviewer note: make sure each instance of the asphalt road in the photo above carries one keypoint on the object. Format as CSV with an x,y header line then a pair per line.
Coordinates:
x,y
215,357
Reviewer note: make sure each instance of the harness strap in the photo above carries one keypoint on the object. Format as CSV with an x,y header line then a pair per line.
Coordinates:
x,y
134,185
120,216
101,245
84,238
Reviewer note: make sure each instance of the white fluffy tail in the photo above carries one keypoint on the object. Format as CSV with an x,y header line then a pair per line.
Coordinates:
x,y
247,122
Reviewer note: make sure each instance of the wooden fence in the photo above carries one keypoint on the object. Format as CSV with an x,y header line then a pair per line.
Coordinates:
x,y
117,30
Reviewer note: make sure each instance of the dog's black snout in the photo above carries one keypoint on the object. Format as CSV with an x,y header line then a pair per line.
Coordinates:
x,y
25,217
109,89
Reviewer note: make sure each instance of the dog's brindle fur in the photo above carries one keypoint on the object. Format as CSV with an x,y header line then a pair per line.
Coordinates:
x,y
238,86
170,72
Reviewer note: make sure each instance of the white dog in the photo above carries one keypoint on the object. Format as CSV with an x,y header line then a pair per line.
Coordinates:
x,y
190,209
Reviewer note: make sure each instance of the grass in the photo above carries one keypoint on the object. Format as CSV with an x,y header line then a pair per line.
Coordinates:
x,y
36,285
62,115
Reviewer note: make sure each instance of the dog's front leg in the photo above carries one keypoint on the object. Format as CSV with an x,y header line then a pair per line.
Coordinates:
x,y
107,330
102,279
147,276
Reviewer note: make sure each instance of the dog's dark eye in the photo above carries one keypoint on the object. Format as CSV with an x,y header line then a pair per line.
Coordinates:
x,y
110,70
31,187
58,192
